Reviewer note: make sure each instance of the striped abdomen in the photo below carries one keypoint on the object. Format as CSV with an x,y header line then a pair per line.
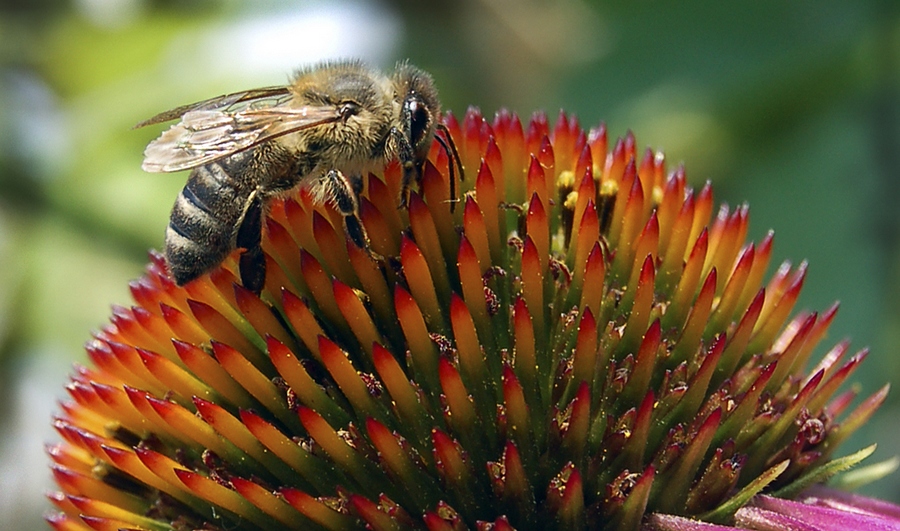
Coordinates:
x,y
203,224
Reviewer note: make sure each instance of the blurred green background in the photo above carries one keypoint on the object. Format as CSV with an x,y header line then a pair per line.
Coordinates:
x,y
792,106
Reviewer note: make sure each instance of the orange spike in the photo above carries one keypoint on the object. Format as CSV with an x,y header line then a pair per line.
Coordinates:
x,y
116,368
183,326
222,496
538,229
737,281
277,280
461,411
476,233
547,160
471,357
302,321
221,329
187,427
511,140
422,350
255,382
537,181
533,284
816,334
683,296
156,328
199,362
595,276
117,404
757,270
517,415
355,314
598,141
127,461
489,206
281,245
319,283
140,400
448,456
307,390
130,331
325,436
333,249
692,331
418,277
162,466
587,191
471,282
285,449
494,160
398,385
564,138
776,310
584,359
348,379
260,315
622,234
538,128
269,503
373,282
585,239
386,201
737,344
382,240
675,252
639,316
426,238
647,245
234,431
526,357
391,453
671,202
614,165
644,363
175,378
585,161
703,206
130,360
441,206
574,439
318,510
299,215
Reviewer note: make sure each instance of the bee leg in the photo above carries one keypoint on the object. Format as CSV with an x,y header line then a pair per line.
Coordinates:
x,y
252,263
410,170
344,193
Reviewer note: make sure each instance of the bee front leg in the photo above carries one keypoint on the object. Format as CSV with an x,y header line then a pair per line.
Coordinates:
x,y
252,263
344,193
407,157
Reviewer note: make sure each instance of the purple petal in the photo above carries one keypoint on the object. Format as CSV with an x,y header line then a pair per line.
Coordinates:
x,y
668,522
819,517
847,501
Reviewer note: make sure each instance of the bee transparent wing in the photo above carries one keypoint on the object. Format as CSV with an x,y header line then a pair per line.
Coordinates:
x,y
203,136
256,98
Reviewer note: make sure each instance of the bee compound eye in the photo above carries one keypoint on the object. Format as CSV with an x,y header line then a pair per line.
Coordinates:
x,y
348,109
418,121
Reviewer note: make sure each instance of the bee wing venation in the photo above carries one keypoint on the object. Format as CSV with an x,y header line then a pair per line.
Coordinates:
x,y
262,97
203,136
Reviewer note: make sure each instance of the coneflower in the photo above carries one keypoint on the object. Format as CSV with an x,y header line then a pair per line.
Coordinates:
x,y
584,342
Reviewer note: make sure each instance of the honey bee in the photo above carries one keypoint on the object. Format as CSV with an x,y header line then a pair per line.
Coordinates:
x,y
334,123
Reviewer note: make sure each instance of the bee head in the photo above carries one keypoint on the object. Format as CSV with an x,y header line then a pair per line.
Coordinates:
x,y
420,107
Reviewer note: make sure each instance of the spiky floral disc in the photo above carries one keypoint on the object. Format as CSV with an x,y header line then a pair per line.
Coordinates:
x,y
576,345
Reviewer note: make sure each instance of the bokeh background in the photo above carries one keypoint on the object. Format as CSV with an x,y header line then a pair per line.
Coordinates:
x,y
793,106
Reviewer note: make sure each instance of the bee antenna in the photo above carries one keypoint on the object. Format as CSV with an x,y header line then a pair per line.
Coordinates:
x,y
453,155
